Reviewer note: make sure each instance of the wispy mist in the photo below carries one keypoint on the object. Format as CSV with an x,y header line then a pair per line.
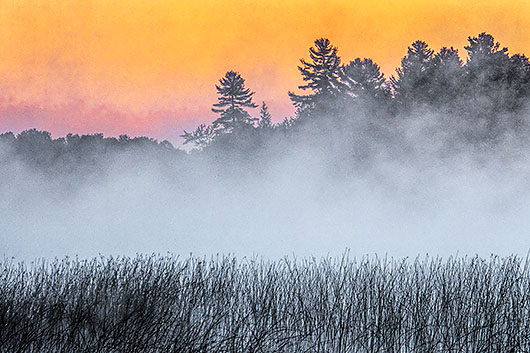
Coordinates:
x,y
434,160
295,203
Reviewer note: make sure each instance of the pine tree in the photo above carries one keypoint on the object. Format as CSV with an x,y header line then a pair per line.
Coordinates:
x,y
363,79
488,64
484,48
265,121
413,76
447,59
321,75
519,78
446,71
495,84
233,97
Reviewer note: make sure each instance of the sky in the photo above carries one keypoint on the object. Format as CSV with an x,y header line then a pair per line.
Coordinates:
x,y
149,68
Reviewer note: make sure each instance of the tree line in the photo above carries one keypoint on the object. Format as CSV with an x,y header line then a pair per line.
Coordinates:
x,y
435,106
482,99
78,153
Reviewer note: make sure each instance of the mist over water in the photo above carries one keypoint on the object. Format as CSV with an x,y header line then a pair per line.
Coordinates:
x,y
293,203
434,160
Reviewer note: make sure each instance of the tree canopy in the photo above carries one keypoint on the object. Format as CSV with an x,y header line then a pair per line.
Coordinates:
x,y
321,75
233,97
474,101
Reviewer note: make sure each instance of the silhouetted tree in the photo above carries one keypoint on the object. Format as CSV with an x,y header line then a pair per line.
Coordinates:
x,y
487,67
446,73
492,88
363,79
519,80
483,49
413,77
39,147
501,82
264,117
233,98
321,75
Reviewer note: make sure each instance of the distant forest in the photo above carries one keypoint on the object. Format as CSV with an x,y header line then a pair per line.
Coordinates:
x,y
435,104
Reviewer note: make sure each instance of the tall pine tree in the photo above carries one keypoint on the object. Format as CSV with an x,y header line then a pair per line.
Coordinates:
x,y
487,67
495,84
413,77
321,75
233,98
363,80
447,75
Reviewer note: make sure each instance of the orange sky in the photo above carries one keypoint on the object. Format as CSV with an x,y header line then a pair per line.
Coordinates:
x,y
148,67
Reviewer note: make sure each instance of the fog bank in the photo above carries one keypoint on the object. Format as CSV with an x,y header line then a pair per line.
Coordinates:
x,y
294,204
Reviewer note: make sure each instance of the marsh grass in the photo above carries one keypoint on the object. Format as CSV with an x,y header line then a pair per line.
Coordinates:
x,y
168,304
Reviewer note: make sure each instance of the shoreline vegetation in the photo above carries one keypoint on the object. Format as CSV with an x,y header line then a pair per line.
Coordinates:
x,y
168,304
